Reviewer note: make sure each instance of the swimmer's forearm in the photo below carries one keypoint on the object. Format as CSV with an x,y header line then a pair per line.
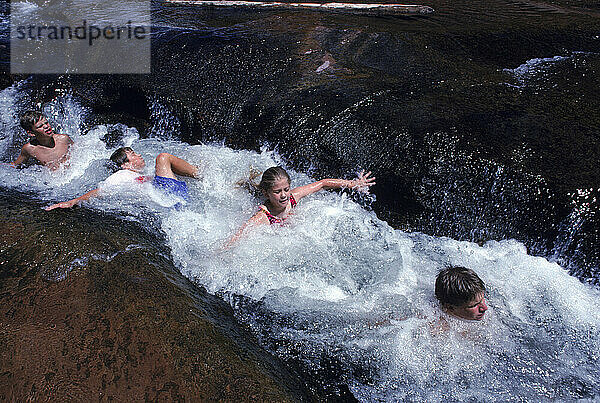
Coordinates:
x,y
88,195
314,187
257,219
340,183
233,240
235,237
363,181
21,159
336,183
330,183
73,202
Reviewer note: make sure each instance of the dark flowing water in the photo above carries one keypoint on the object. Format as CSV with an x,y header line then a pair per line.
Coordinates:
x,y
481,124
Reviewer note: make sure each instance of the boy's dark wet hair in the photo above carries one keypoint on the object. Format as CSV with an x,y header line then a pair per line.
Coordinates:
x,y
457,285
30,118
272,175
119,157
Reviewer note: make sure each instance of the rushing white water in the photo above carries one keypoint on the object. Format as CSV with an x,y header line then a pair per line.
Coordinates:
x,y
336,284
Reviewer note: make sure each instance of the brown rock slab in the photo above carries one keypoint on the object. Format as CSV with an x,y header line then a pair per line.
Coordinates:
x,y
91,309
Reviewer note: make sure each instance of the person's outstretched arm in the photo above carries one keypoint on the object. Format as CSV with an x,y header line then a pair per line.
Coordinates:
x,y
72,202
362,182
260,218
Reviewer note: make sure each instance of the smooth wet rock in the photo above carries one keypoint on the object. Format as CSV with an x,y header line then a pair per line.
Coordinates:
x,y
93,309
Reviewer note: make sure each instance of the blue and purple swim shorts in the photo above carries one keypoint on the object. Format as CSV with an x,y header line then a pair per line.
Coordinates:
x,y
170,185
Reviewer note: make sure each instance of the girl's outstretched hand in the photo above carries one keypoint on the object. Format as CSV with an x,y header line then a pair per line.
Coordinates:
x,y
363,182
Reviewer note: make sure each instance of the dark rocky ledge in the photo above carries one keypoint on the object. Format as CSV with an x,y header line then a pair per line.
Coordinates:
x,y
123,325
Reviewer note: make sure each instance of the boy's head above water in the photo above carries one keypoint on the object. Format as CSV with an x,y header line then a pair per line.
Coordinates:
x,y
35,123
461,293
126,158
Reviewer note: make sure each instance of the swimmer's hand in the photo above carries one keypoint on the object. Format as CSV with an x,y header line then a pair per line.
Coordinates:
x,y
197,174
77,200
363,182
66,204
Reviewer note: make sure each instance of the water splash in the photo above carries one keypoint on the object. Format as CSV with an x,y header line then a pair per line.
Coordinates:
x,y
574,247
347,296
165,125
537,69
61,272
12,100
533,68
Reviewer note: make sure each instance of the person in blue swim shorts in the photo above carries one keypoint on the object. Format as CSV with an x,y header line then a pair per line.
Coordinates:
x,y
131,170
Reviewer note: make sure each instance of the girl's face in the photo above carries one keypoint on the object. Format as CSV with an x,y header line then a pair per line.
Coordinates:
x,y
279,194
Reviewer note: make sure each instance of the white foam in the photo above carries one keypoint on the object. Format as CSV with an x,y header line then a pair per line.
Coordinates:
x,y
23,7
338,268
350,286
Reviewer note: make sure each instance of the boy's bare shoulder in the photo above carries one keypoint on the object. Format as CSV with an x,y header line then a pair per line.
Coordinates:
x,y
28,147
59,136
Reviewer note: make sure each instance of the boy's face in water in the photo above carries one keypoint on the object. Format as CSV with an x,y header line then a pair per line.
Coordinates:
x,y
472,310
135,162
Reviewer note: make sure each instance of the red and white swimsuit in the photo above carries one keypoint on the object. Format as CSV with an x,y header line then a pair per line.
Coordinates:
x,y
274,219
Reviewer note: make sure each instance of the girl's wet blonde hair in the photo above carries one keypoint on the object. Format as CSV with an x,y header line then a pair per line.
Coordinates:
x,y
267,181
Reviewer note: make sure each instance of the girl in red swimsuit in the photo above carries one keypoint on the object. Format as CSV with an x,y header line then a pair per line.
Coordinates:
x,y
275,186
